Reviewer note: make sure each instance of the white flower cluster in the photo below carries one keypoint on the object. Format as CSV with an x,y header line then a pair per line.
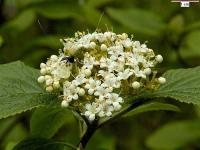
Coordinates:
x,y
94,69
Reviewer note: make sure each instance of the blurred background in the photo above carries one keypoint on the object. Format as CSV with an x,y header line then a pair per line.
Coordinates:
x,y
30,31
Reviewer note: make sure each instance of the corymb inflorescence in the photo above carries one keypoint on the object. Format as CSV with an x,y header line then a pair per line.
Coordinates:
x,y
95,70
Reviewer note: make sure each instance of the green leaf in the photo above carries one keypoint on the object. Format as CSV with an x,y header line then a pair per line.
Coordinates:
x,y
152,106
59,10
15,134
102,140
20,91
93,3
182,85
20,23
175,135
35,143
192,26
10,145
5,124
190,49
138,20
50,41
45,122
27,3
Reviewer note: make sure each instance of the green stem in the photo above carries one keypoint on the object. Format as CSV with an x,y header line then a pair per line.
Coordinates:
x,y
87,136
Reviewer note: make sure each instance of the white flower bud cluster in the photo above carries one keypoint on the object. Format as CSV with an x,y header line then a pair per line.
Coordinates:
x,y
105,66
53,71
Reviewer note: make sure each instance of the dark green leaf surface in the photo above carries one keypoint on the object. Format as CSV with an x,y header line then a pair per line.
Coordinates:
x,y
59,10
175,135
35,143
45,122
182,85
20,91
138,20
190,49
152,106
23,21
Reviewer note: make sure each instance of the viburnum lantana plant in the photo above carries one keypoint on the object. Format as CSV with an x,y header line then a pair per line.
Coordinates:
x,y
95,70
99,77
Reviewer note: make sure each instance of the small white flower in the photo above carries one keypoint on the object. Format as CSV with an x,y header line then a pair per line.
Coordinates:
x,y
125,75
138,72
92,85
89,61
108,35
115,100
101,91
80,79
127,43
91,111
108,111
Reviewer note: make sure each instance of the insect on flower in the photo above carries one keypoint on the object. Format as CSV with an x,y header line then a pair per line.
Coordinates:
x,y
68,59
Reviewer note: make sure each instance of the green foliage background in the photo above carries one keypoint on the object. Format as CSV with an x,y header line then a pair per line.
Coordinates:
x,y
30,31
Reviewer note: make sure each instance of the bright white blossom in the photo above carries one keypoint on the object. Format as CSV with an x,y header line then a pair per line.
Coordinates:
x,y
94,70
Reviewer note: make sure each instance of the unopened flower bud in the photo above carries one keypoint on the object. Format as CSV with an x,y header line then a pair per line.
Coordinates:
x,y
103,47
147,71
161,80
49,82
56,84
93,44
136,85
43,71
159,58
64,103
49,88
124,36
42,65
81,92
41,79
47,77
54,57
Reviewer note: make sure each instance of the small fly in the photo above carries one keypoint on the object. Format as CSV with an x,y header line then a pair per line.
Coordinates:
x,y
68,59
